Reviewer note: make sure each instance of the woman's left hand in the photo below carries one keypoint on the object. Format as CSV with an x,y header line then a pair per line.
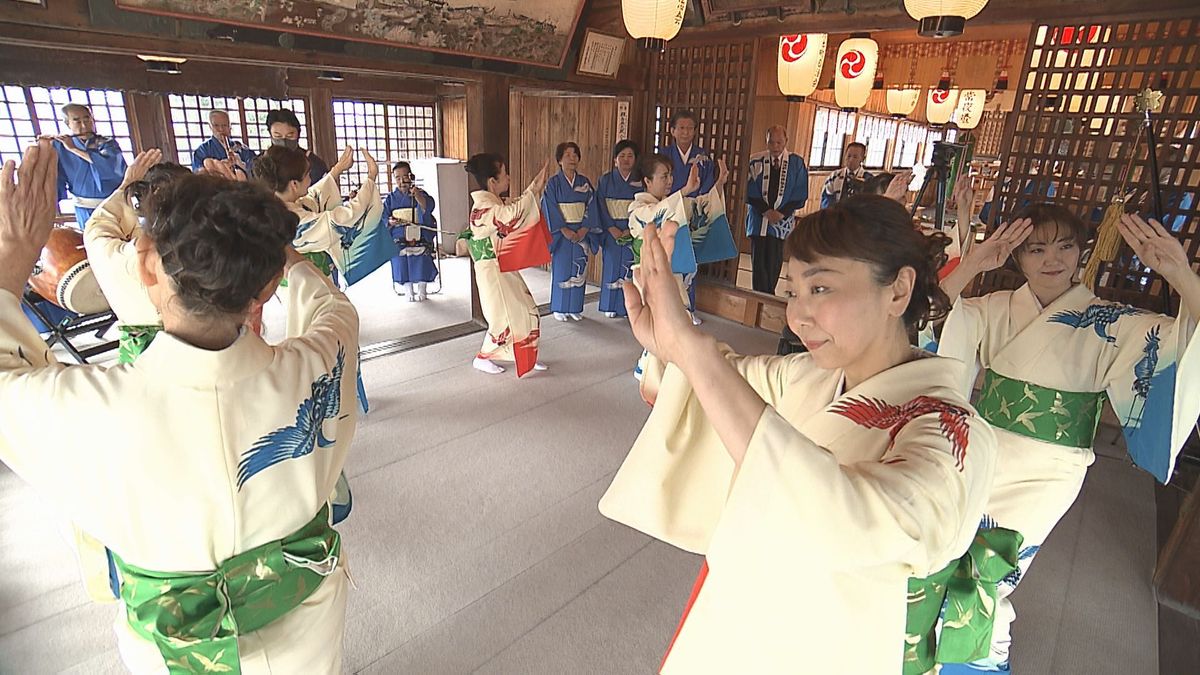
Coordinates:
x,y
659,320
27,206
372,165
1155,246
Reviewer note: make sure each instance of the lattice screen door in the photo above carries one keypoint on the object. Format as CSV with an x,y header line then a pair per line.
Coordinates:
x,y
717,83
1075,127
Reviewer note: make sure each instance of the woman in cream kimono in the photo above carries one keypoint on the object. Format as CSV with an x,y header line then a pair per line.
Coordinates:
x,y
814,484
206,465
1052,351
508,306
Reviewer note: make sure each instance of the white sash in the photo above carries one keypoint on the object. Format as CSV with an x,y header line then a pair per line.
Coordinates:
x,y
618,209
573,212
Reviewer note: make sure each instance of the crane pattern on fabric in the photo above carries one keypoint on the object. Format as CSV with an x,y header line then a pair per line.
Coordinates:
x,y
1143,372
308,433
875,413
1099,317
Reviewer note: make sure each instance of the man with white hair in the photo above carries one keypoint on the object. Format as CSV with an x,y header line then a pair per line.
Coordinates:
x,y
221,147
777,187
90,166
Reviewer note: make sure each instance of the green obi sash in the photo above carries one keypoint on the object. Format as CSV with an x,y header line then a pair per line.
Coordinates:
x,y
481,249
967,589
133,341
320,259
195,619
1065,418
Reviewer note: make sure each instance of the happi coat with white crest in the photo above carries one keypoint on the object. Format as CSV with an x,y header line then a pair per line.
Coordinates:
x,y
841,498
1047,373
189,457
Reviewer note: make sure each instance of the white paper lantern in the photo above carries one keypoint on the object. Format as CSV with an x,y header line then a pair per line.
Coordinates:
x,y
969,109
653,22
940,104
902,102
942,18
801,58
857,60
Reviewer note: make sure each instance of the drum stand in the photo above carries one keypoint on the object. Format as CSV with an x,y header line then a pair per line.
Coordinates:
x,y
77,324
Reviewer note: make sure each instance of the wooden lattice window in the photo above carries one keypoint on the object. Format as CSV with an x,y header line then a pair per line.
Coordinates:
x,y
187,116
830,128
876,133
18,128
1074,129
989,134
390,131
716,82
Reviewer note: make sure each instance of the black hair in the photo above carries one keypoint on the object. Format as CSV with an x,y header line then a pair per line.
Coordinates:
x,y
401,165
141,193
684,114
280,165
562,150
485,165
622,145
650,161
221,242
856,144
878,231
1046,216
285,116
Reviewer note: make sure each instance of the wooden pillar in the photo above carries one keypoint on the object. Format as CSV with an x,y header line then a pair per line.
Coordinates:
x,y
320,124
148,124
488,114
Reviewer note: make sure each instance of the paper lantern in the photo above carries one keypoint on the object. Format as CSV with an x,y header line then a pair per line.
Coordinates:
x,y
902,102
942,18
969,109
855,73
653,22
940,104
801,58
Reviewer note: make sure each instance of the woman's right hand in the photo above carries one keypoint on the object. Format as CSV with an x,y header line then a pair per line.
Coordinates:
x,y
693,181
539,181
141,164
27,207
992,252
344,162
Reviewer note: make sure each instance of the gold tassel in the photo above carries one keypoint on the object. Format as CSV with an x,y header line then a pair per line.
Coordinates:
x,y
1108,241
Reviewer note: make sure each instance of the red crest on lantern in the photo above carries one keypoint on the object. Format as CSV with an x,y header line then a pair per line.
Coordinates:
x,y
852,64
792,47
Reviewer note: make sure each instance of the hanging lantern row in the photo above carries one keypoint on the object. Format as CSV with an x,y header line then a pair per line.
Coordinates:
x,y
653,22
942,18
940,105
902,102
801,58
857,60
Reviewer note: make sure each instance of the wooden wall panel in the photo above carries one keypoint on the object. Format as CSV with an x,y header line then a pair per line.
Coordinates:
x,y
454,127
1074,129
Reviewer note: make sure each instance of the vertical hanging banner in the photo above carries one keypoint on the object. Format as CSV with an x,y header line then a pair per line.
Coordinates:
x,y
622,120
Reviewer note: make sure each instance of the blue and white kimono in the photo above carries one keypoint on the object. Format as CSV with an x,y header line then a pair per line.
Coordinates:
x,y
793,193
414,230
89,182
571,205
681,167
213,148
614,195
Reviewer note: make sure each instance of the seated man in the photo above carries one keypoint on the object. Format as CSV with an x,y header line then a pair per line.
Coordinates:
x,y
90,166
221,147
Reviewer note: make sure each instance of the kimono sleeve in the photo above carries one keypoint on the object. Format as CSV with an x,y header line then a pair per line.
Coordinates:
x,y
505,218
962,337
200,154
1148,386
112,255
318,312
550,208
918,505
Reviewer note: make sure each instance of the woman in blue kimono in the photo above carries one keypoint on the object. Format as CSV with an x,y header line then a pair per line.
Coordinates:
x,y
613,196
409,213
569,204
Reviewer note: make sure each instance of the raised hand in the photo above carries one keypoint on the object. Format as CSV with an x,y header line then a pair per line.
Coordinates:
x,y
722,173
372,165
657,316
344,162
1155,246
964,194
141,164
222,168
693,181
27,206
897,188
539,181
992,252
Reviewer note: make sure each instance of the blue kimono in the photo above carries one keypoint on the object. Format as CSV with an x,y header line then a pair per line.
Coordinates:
x,y
570,205
792,194
89,183
680,169
414,261
613,197
213,148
